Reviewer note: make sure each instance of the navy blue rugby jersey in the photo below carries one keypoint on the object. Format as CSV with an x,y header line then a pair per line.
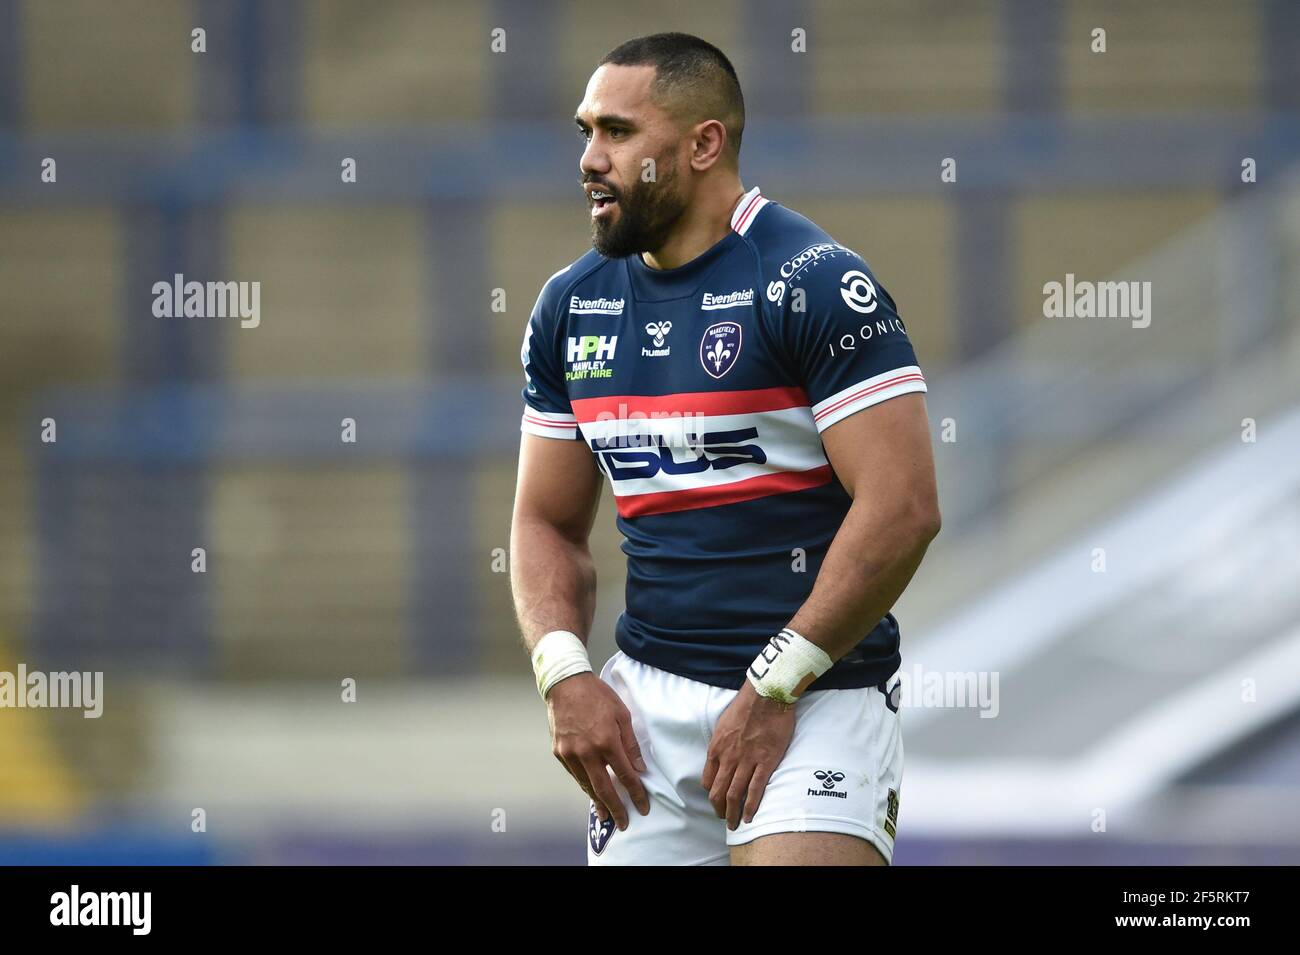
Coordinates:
x,y
702,391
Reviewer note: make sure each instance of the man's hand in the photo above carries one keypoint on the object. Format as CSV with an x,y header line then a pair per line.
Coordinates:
x,y
748,744
591,728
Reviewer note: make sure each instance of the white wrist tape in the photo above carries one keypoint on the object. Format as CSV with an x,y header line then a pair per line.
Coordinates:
x,y
786,665
558,656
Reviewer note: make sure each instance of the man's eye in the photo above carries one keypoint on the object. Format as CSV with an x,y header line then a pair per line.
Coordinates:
x,y
584,134
617,133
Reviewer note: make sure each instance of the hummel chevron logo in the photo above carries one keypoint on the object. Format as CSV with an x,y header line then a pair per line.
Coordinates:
x,y
829,778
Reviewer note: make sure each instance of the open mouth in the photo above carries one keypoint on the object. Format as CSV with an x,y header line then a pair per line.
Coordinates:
x,y
601,201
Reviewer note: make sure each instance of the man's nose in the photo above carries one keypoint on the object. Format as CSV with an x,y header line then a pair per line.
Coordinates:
x,y
595,161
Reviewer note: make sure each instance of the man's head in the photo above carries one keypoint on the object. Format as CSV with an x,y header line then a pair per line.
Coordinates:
x,y
662,115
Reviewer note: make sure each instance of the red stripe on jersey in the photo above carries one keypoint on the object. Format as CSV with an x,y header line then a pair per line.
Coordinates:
x,y
545,423
740,223
817,416
765,485
618,407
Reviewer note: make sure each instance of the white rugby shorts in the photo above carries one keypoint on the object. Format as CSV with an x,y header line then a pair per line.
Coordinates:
x,y
842,773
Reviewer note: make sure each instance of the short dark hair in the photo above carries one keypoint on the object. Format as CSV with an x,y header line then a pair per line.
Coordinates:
x,y
693,78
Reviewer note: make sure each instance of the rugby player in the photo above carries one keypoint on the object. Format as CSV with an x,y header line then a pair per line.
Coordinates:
x,y
745,385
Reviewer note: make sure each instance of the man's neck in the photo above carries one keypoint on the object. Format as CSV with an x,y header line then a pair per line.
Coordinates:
x,y
703,225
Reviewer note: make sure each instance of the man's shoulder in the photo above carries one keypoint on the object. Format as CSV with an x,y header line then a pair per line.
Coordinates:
x,y
795,252
557,287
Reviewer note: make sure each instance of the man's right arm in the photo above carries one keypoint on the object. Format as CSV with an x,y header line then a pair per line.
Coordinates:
x,y
553,578
552,573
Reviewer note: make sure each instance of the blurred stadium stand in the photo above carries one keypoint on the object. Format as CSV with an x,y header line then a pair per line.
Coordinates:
x,y
377,560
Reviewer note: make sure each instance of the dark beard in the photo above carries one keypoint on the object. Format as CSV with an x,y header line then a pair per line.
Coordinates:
x,y
647,215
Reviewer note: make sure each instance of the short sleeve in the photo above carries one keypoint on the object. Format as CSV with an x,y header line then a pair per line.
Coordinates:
x,y
547,411
846,343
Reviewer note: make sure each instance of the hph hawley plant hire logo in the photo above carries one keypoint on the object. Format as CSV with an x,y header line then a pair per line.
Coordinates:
x,y
719,348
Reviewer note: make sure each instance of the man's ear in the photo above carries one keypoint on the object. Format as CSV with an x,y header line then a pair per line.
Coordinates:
x,y
709,144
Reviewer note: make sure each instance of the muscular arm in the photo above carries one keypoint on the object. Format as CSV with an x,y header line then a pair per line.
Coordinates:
x,y
552,575
882,456
553,579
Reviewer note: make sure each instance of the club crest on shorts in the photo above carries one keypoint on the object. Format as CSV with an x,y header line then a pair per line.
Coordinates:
x,y
599,832
719,348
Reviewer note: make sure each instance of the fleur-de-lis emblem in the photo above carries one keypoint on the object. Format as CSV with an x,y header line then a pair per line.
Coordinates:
x,y
599,832
720,348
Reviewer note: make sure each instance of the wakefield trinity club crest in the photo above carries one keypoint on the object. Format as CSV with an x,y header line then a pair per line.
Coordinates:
x,y
719,348
599,832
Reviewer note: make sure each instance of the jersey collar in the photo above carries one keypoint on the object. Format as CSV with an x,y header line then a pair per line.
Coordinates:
x,y
742,217
652,285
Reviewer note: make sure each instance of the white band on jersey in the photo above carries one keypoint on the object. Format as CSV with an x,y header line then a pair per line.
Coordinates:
x,y
558,655
786,665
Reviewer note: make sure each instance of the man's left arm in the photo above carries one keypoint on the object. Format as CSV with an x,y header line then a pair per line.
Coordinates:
x,y
857,364
882,456
843,338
